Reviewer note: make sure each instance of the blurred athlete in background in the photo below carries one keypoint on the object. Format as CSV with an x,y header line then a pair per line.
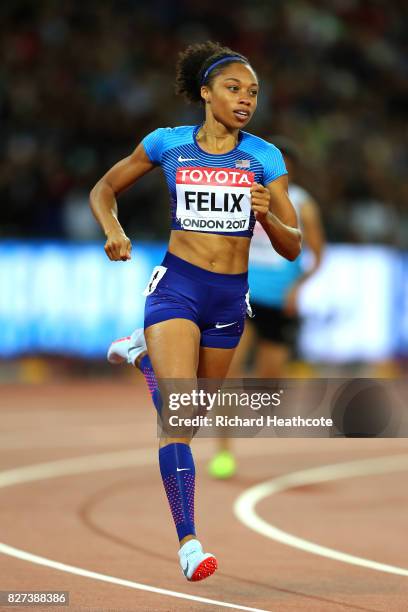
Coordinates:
x,y
221,180
274,284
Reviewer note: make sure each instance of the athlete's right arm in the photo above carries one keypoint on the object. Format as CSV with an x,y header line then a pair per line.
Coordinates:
x,y
103,200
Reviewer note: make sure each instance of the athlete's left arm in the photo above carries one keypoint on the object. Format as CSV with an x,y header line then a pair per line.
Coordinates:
x,y
276,214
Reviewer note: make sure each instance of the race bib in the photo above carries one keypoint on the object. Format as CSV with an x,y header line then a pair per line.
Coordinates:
x,y
213,199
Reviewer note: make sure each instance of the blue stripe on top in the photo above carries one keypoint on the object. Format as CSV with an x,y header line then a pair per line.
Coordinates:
x,y
174,148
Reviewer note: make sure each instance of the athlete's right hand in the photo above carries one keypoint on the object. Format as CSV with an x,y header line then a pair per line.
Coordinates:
x,y
118,246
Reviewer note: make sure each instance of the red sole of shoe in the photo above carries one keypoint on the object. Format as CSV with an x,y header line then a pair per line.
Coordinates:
x,y
205,569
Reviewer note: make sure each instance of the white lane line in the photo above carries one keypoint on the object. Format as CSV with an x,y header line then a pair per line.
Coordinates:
x,y
71,569
244,506
76,465
83,465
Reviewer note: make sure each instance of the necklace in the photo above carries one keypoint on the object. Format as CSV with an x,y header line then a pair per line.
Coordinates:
x,y
203,132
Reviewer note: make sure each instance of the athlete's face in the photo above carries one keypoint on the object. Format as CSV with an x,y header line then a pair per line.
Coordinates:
x,y
232,96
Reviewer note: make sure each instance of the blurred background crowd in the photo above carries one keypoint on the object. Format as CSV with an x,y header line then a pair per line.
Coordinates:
x,y
82,82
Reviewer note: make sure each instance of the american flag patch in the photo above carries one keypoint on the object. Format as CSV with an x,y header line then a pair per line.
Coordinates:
x,y
243,164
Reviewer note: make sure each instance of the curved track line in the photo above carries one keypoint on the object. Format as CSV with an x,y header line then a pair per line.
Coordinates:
x,y
244,506
71,569
76,465
82,465
85,512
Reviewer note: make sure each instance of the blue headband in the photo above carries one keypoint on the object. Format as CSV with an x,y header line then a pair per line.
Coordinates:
x,y
229,58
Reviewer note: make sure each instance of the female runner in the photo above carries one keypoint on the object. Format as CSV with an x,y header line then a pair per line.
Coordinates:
x,y
221,180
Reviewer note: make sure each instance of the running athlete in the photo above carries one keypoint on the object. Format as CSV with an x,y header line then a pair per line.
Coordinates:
x,y
221,180
274,283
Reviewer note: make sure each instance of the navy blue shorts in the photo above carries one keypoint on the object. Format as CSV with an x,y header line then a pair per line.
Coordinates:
x,y
217,303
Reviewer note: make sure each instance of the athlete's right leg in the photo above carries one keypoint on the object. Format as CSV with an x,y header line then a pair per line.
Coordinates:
x,y
173,349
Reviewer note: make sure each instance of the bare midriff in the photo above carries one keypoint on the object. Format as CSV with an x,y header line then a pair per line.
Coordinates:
x,y
222,254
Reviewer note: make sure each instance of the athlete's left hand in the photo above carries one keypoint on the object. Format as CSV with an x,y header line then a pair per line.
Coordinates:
x,y
260,198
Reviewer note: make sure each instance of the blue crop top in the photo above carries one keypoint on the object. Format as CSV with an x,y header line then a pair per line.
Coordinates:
x,y
210,192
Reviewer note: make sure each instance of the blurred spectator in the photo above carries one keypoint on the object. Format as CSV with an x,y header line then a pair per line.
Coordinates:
x,y
82,82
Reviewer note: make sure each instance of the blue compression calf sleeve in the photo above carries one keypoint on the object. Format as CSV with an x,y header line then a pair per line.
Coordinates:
x,y
178,475
147,370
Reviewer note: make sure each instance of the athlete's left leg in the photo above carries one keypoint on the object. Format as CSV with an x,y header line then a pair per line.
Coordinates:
x,y
214,362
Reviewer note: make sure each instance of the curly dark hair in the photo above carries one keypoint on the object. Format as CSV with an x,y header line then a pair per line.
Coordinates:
x,y
194,61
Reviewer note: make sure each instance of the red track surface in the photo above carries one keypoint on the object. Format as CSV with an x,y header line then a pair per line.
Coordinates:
x,y
117,522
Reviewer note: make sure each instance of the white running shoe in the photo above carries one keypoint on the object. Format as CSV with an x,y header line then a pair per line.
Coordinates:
x,y
195,564
128,348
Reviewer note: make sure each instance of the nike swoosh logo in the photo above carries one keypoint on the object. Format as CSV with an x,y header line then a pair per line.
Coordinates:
x,y
221,325
182,469
185,570
184,159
